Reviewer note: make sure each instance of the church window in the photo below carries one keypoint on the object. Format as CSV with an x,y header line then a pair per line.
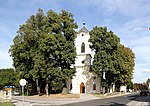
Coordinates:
x,y
94,86
94,77
82,48
82,34
82,62
71,86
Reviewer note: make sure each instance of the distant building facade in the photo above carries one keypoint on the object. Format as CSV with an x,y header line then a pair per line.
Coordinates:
x,y
85,80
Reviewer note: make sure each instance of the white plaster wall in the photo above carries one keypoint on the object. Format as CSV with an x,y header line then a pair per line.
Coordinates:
x,y
123,88
79,40
79,59
77,80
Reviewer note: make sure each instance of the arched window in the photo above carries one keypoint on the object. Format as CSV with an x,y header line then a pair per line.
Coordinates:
x,y
94,86
82,48
71,86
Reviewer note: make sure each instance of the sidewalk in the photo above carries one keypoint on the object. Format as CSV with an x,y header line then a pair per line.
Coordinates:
x,y
88,97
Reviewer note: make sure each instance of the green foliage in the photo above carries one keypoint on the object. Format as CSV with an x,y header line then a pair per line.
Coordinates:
x,y
44,49
105,44
111,57
130,85
6,104
127,65
7,78
148,80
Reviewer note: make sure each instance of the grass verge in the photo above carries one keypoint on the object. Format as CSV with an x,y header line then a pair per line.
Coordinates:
x,y
59,96
6,104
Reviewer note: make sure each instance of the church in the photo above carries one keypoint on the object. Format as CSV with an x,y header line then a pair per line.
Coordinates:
x,y
85,80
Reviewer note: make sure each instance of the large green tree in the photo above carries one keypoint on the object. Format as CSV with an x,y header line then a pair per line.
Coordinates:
x,y
44,50
126,65
111,58
25,47
105,44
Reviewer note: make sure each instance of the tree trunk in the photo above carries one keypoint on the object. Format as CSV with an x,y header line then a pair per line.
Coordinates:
x,y
38,88
101,85
111,88
114,87
46,88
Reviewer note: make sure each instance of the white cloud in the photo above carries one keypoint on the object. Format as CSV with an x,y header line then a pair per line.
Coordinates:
x,y
5,59
142,41
142,52
143,64
142,70
129,8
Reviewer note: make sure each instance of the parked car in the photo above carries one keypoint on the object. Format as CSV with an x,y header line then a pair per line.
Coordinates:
x,y
15,93
144,92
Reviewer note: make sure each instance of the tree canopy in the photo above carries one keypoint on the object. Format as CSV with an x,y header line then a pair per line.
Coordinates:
x,y
44,50
7,77
111,57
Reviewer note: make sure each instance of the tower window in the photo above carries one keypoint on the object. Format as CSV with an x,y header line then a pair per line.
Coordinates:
x,y
71,86
82,34
94,77
82,62
94,86
82,48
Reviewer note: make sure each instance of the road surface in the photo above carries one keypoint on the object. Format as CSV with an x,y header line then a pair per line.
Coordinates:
x,y
126,100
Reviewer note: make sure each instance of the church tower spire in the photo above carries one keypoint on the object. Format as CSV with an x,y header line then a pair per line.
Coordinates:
x,y
83,29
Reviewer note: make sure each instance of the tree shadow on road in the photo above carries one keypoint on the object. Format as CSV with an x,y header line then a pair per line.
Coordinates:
x,y
140,98
98,102
111,101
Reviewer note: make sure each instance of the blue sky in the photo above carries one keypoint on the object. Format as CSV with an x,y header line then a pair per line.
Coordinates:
x,y
129,19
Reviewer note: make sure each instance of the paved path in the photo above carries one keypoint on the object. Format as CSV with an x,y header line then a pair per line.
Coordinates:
x,y
88,97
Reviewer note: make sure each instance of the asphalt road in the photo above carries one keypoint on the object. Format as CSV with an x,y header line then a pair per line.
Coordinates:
x,y
133,99
127,100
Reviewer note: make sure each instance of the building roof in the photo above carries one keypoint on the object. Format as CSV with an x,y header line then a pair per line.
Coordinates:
x,y
83,30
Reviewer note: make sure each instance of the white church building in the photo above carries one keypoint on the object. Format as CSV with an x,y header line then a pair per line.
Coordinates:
x,y
85,80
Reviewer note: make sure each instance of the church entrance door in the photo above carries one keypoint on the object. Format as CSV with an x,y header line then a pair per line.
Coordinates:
x,y
82,88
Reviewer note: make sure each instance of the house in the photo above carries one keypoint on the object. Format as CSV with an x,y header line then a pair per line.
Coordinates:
x,y
85,80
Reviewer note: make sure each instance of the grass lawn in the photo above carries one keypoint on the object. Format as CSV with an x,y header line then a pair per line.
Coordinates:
x,y
99,95
6,104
